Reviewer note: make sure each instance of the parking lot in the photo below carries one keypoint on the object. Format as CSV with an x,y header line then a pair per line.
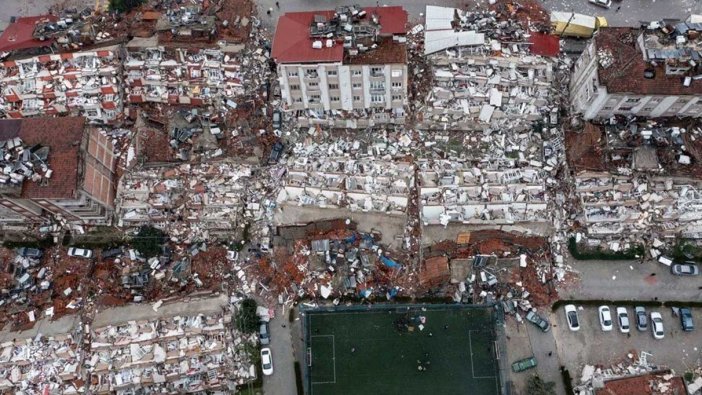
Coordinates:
x,y
590,345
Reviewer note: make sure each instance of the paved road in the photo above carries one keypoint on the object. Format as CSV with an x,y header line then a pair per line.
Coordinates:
x,y
282,382
542,344
624,280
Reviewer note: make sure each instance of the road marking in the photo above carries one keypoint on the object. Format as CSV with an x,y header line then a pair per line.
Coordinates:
x,y
333,359
472,364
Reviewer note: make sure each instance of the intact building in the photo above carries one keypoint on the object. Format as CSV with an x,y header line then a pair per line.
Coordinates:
x,y
55,167
653,72
348,59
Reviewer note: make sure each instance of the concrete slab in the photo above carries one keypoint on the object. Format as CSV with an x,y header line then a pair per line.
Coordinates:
x,y
136,312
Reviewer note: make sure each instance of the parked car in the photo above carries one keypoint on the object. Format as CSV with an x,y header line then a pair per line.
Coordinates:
x,y
264,333
572,317
641,319
80,252
685,269
605,318
267,361
539,321
524,364
276,152
657,325
623,318
602,3
277,119
686,319
26,252
111,253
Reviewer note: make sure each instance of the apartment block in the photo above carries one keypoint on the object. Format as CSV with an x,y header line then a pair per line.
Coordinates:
x,y
56,167
351,59
77,84
650,72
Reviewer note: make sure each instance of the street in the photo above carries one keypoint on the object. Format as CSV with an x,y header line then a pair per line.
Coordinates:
x,y
629,280
283,379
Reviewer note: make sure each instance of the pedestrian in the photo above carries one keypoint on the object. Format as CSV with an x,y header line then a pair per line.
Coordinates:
x,y
269,11
277,5
618,8
353,349
283,325
550,353
446,326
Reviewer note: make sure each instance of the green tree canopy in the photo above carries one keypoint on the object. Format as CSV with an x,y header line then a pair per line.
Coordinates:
x,y
536,386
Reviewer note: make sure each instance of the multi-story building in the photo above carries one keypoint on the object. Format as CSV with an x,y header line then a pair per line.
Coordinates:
x,y
348,59
56,167
649,72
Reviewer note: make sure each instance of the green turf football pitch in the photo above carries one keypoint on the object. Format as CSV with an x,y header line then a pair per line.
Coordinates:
x,y
363,352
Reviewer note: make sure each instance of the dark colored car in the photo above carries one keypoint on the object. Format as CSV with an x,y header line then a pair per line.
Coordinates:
x,y
524,364
277,119
264,333
276,152
26,252
111,253
641,319
537,320
686,319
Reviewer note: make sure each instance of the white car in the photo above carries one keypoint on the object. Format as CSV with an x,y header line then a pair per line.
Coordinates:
x,y
657,325
572,317
623,318
80,252
267,361
605,318
602,3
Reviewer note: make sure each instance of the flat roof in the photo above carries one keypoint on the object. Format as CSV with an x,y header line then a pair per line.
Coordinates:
x,y
292,42
626,72
63,137
19,35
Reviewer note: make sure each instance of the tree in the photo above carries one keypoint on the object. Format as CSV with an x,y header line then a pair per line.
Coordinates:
x,y
246,318
149,241
536,386
124,5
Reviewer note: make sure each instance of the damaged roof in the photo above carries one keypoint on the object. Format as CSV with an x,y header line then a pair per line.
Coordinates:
x,y
62,136
19,35
625,74
292,42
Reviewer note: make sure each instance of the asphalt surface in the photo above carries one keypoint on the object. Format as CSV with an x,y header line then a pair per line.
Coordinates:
x,y
282,382
630,280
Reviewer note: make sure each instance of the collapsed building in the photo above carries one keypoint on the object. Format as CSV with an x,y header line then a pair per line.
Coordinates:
x,y
651,72
187,199
350,60
188,23
364,184
484,75
187,76
79,84
56,167
630,180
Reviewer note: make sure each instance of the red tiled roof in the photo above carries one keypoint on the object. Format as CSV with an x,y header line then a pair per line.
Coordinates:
x,y
18,35
62,136
641,385
625,74
544,44
292,42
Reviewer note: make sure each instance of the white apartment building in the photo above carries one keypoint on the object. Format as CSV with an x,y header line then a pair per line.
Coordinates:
x,y
348,59
648,72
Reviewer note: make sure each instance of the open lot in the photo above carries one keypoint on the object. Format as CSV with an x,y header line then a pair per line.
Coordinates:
x,y
590,345
377,351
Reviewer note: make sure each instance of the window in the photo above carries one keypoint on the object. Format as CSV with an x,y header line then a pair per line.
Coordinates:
x,y
294,87
397,84
334,98
647,109
377,98
396,97
632,100
292,73
331,72
314,98
377,85
606,108
298,100
333,86
357,98
624,109
376,71
397,73
357,72
356,85
313,84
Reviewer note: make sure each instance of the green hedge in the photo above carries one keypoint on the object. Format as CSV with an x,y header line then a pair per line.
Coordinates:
x,y
46,242
567,381
600,254
298,379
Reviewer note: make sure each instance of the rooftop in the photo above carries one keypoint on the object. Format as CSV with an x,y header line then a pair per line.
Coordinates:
x,y
62,136
622,67
20,35
297,32
642,385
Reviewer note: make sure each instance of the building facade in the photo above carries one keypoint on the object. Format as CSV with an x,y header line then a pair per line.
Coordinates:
x,y
350,59
625,71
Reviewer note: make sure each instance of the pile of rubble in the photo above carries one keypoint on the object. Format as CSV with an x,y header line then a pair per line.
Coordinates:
x,y
188,200
20,162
